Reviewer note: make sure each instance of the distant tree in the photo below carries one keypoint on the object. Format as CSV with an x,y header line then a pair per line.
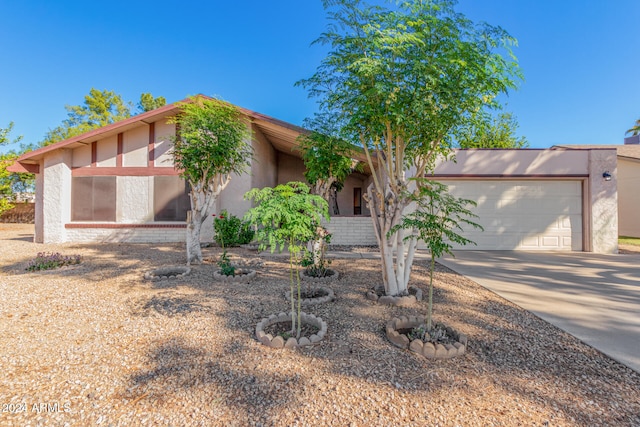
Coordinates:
x,y
635,130
100,108
7,159
485,130
402,79
148,102
212,144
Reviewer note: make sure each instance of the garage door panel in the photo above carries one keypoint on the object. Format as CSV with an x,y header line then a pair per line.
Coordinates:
x,y
529,215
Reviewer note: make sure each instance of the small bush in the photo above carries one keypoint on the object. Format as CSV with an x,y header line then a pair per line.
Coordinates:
x,y
49,261
231,231
226,268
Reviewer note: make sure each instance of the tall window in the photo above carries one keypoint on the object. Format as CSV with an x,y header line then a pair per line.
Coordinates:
x,y
170,198
93,198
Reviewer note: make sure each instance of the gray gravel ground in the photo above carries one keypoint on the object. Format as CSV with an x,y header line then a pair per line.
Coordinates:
x,y
96,344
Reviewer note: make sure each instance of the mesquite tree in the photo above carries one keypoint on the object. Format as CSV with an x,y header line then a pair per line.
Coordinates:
x,y
212,142
402,79
437,221
287,216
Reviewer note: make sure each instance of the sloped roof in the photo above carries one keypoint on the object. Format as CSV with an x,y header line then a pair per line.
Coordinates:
x,y
630,151
280,134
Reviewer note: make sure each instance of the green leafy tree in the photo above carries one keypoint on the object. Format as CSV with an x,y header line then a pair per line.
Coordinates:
x,y
484,130
328,162
100,108
211,145
148,102
401,80
7,179
635,130
437,221
287,216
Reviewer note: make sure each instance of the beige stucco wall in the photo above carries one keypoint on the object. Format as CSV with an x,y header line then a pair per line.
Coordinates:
x,y
603,197
516,162
82,156
55,208
163,144
628,177
264,165
134,204
135,147
290,168
106,151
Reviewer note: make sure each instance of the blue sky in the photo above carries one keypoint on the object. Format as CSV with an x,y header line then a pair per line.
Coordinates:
x,y
581,59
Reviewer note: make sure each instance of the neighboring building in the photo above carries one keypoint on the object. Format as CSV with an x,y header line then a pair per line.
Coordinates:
x,y
118,183
627,177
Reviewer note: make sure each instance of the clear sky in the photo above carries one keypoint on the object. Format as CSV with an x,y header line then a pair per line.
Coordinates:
x,y
580,58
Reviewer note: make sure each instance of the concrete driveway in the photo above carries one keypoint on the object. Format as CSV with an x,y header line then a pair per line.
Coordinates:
x,y
594,297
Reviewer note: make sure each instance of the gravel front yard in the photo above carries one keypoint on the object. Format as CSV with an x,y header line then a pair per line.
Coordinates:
x,y
96,344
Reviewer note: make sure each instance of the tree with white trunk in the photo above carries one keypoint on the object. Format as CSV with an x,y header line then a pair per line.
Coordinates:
x,y
401,79
212,142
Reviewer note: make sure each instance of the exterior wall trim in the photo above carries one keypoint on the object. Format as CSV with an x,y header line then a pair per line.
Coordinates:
x,y
119,225
124,171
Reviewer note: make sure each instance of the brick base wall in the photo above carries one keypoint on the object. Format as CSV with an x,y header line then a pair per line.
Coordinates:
x,y
127,235
351,230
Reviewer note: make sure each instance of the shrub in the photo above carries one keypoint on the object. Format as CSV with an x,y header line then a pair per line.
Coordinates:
x,y
49,261
231,230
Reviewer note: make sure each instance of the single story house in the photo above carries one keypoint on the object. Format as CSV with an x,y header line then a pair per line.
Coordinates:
x,y
118,183
628,178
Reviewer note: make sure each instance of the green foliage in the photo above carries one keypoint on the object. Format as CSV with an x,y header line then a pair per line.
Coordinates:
x,y
486,131
226,268
287,215
100,108
635,130
212,140
11,182
49,261
231,230
438,221
326,155
5,205
148,102
402,79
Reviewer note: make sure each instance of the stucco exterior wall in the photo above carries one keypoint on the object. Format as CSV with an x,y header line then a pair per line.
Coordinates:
x,y
56,196
516,163
135,199
290,168
135,144
38,236
603,201
628,177
163,144
106,151
82,156
264,165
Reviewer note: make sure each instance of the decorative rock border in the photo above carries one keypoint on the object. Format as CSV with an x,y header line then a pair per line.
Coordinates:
x,y
333,276
415,294
168,273
330,296
242,275
278,342
428,350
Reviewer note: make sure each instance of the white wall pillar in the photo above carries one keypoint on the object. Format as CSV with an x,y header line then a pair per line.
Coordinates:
x,y
604,201
56,195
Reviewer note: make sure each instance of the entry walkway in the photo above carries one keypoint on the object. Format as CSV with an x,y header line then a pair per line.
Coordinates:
x,y
594,297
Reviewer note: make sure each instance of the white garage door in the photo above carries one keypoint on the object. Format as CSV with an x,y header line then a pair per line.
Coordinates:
x,y
525,215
